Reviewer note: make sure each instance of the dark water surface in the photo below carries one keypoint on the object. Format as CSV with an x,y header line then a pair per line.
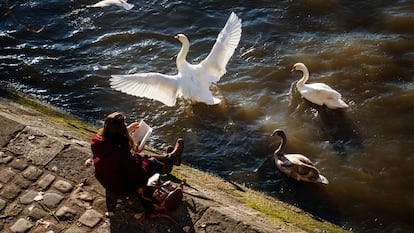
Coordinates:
x,y
363,49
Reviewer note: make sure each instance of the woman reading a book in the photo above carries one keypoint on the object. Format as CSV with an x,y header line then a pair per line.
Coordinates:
x,y
118,167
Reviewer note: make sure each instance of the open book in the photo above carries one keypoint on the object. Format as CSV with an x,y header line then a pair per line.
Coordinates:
x,y
141,135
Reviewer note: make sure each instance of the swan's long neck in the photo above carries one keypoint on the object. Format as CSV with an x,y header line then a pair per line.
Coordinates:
x,y
304,78
181,57
279,151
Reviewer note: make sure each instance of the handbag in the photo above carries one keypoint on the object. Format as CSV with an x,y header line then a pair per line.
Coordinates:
x,y
162,197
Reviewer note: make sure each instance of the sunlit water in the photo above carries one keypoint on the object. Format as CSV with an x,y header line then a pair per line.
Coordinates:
x,y
363,49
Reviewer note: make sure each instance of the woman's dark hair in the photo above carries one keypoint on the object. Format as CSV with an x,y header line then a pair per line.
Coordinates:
x,y
115,130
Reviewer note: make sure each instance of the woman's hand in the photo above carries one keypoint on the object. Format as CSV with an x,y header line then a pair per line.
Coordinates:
x,y
132,127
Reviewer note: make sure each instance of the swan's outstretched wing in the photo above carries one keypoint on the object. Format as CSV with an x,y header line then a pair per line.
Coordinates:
x,y
226,42
150,85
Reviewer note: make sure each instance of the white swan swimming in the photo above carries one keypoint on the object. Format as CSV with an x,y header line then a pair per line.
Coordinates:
x,y
193,80
296,166
318,93
120,3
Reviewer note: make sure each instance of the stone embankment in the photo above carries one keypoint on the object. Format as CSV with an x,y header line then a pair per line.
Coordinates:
x,y
47,185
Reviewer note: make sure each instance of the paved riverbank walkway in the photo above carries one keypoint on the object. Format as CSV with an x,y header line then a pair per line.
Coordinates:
x,y
46,185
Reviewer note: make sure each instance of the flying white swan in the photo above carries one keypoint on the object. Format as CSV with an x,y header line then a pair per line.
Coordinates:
x,y
120,3
193,80
318,93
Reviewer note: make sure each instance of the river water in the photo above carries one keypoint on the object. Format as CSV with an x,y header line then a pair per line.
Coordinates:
x,y
363,49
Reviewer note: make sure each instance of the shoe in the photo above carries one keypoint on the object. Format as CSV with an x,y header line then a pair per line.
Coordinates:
x,y
169,149
173,199
175,155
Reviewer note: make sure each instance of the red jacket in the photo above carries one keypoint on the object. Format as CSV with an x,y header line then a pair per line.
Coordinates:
x,y
116,169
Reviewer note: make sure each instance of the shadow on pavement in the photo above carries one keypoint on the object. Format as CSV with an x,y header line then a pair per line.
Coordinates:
x,y
133,214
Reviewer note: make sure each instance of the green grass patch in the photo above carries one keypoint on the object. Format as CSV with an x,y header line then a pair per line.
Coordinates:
x,y
278,211
287,213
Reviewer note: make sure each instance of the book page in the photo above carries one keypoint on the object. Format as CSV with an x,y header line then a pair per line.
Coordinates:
x,y
141,135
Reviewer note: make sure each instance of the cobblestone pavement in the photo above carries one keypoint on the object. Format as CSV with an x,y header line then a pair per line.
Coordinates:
x,y
47,186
